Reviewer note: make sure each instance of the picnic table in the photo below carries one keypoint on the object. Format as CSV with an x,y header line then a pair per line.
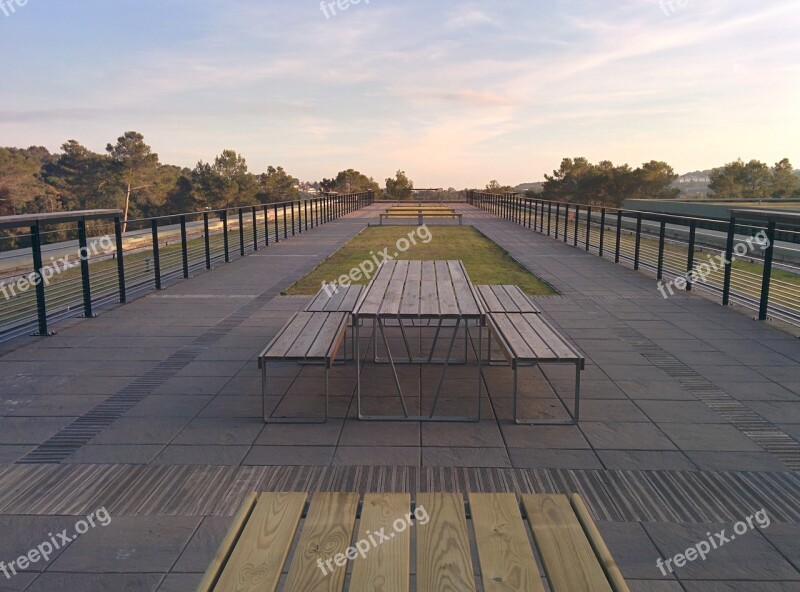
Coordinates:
x,y
409,292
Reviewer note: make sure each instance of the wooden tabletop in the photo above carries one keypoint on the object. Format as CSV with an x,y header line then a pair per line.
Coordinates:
x,y
420,289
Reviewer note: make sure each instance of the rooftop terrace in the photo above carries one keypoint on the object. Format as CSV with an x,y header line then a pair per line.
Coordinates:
x,y
690,421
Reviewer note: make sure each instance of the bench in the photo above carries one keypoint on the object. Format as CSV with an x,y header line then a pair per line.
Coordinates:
x,y
501,298
254,554
420,216
308,338
342,300
527,340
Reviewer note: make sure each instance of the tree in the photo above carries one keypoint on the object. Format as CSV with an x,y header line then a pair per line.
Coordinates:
x,y
82,179
399,187
737,180
276,185
495,187
136,165
239,186
351,181
784,181
21,186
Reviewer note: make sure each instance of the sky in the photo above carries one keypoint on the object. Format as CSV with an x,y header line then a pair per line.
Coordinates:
x,y
454,93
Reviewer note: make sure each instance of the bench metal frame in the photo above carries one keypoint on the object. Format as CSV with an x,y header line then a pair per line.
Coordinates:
x,y
421,217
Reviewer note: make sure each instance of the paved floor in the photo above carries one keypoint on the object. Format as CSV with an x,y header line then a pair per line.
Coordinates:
x,y
690,422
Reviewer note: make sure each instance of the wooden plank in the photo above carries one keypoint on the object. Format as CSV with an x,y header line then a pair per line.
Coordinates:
x,y
287,335
555,342
409,305
428,298
510,334
319,301
327,532
257,561
505,300
489,299
567,557
307,336
504,551
610,566
465,295
414,270
349,302
448,305
444,560
386,567
226,547
521,299
335,301
329,337
394,291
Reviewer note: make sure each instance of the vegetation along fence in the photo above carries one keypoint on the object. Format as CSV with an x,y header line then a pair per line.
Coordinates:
x,y
752,260
69,263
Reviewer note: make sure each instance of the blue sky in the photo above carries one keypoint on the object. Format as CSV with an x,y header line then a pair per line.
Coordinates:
x,y
454,93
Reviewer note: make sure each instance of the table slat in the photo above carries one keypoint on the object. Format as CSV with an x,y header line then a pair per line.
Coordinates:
x,y
444,561
257,561
386,567
327,532
504,551
567,556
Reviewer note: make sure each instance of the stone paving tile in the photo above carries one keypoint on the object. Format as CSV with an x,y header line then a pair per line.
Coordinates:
x,y
653,586
708,437
202,455
389,433
30,430
633,550
747,557
735,461
777,411
465,457
141,430
135,544
180,582
612,410
679,412
169,406
133,454
57,405
534,458
662,390
49,582
740,586
18,583
276,434
485,434
786,537
539,436
11,453
377,455
644,460
289,455
219,431
203,545
625,436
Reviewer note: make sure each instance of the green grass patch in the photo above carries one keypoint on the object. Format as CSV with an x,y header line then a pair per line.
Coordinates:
x,y
485,261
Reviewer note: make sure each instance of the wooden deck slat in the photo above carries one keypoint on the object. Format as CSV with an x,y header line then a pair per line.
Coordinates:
x,y
510,334
257,562
567,556
327,532
465,295
555,341
428,298
444,560
409,306
505,299
386,566
504,551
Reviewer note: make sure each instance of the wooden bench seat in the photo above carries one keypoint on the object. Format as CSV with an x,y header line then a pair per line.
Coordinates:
x,y
527,340
342,300
502,298
255,553
308,338
420,216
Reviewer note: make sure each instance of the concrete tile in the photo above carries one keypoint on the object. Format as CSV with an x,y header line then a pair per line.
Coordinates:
x,y
384,433
326,434
739,586
484,434
222,431
49,582
465,457
30,430
625,436
538,436
665,390
289,455
786,537
17,583
203,545
777,411
58,405
377,455
632,549
141,430
735,461
645,460
139,545
201,455
129,454
233,406
180,582
530,458
708,437
11,453
169,406
679,412
611,410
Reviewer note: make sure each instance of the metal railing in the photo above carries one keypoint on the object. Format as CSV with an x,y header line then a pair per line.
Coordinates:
x,y
683,252
52,276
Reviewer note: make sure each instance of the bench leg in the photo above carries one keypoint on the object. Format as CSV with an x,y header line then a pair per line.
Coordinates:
x,y
573,416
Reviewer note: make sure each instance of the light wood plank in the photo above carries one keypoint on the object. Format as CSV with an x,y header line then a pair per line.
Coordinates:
x,y
386,566
568,559
329,337
428,298
307,336
335,301
465,295
226,547
257,562
409,306
504,551
288,335
489,299
327,532
444,561
349,302
448,305
598,544
521,299
319,301
554,340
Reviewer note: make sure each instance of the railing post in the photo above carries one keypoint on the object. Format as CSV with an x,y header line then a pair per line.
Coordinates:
x,y
726,284
241,232
638,248
588,227
549,212
619,235
184,248
763,308
662,233
602,229
566,221
535,214
255,229
277,238
123,296
305,212
207,240
83,254
575,229
41,306
558,210
156,254
291,206
285,223
225,235
690,256
266,223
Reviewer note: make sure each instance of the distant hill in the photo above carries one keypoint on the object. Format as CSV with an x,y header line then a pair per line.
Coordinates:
x,y
522,187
